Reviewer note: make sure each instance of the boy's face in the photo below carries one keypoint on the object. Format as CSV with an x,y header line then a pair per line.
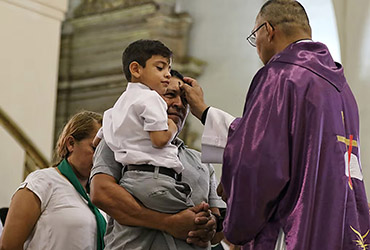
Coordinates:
x,y
156,74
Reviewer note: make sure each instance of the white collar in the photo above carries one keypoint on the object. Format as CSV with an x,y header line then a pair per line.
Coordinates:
x,y
304,40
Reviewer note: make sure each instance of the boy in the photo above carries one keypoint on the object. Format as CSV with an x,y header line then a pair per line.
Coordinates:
x,y
139,133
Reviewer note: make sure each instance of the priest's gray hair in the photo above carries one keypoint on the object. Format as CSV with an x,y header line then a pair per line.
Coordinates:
x,y
290,15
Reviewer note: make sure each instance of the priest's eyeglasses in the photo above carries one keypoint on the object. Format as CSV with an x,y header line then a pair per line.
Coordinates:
x,y
252,37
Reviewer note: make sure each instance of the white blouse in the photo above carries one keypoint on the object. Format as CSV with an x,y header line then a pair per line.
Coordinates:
x,y
66,222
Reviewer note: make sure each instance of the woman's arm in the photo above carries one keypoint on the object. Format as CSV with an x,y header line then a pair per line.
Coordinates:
x,y
24,211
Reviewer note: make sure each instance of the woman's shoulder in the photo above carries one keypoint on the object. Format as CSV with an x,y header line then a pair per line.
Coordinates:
x,y
42,183
50,172
43,180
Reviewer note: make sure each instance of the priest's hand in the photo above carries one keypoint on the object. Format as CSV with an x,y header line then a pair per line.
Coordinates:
x,y
194,96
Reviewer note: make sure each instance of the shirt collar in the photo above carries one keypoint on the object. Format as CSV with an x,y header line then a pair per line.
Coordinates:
x,y
136,85
178,142
303,40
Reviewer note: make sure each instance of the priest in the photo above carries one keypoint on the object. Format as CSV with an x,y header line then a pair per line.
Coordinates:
x,y
292,174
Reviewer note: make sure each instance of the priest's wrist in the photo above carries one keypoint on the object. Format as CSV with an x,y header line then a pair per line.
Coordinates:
x,y
204,116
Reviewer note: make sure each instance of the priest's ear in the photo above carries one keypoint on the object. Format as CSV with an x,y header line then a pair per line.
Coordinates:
x,y
270,31
135,69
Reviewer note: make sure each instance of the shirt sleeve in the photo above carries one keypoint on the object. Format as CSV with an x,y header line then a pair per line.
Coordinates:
x,y
214,136
104,162
40,184
154,113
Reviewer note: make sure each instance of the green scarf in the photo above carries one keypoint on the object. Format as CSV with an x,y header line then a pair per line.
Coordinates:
x,y
67,171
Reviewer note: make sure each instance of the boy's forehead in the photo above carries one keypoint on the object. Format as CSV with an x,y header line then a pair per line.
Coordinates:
x,y
161,59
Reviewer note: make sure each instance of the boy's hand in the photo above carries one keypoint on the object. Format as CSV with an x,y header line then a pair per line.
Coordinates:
x,y
96,141
194,96
172,127
173,123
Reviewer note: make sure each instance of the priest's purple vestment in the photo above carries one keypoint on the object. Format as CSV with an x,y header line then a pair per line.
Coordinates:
x,y
292,162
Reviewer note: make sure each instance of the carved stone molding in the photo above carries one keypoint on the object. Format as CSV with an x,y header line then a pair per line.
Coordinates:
x,y
90,68
91,7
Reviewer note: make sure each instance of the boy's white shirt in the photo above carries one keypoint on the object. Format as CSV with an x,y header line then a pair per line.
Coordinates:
x,y
126,128
214,136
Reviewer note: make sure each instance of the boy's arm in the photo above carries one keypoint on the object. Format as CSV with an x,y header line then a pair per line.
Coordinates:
x,y
162,138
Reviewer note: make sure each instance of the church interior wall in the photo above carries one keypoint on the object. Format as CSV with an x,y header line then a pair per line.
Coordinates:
x,y
30,35
218,36
354,32
30,51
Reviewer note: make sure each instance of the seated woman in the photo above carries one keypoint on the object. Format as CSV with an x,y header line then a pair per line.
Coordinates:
x,y
51,208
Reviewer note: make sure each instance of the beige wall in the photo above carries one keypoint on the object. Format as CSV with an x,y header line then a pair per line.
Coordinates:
x,y
354,32
219,38
30,35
